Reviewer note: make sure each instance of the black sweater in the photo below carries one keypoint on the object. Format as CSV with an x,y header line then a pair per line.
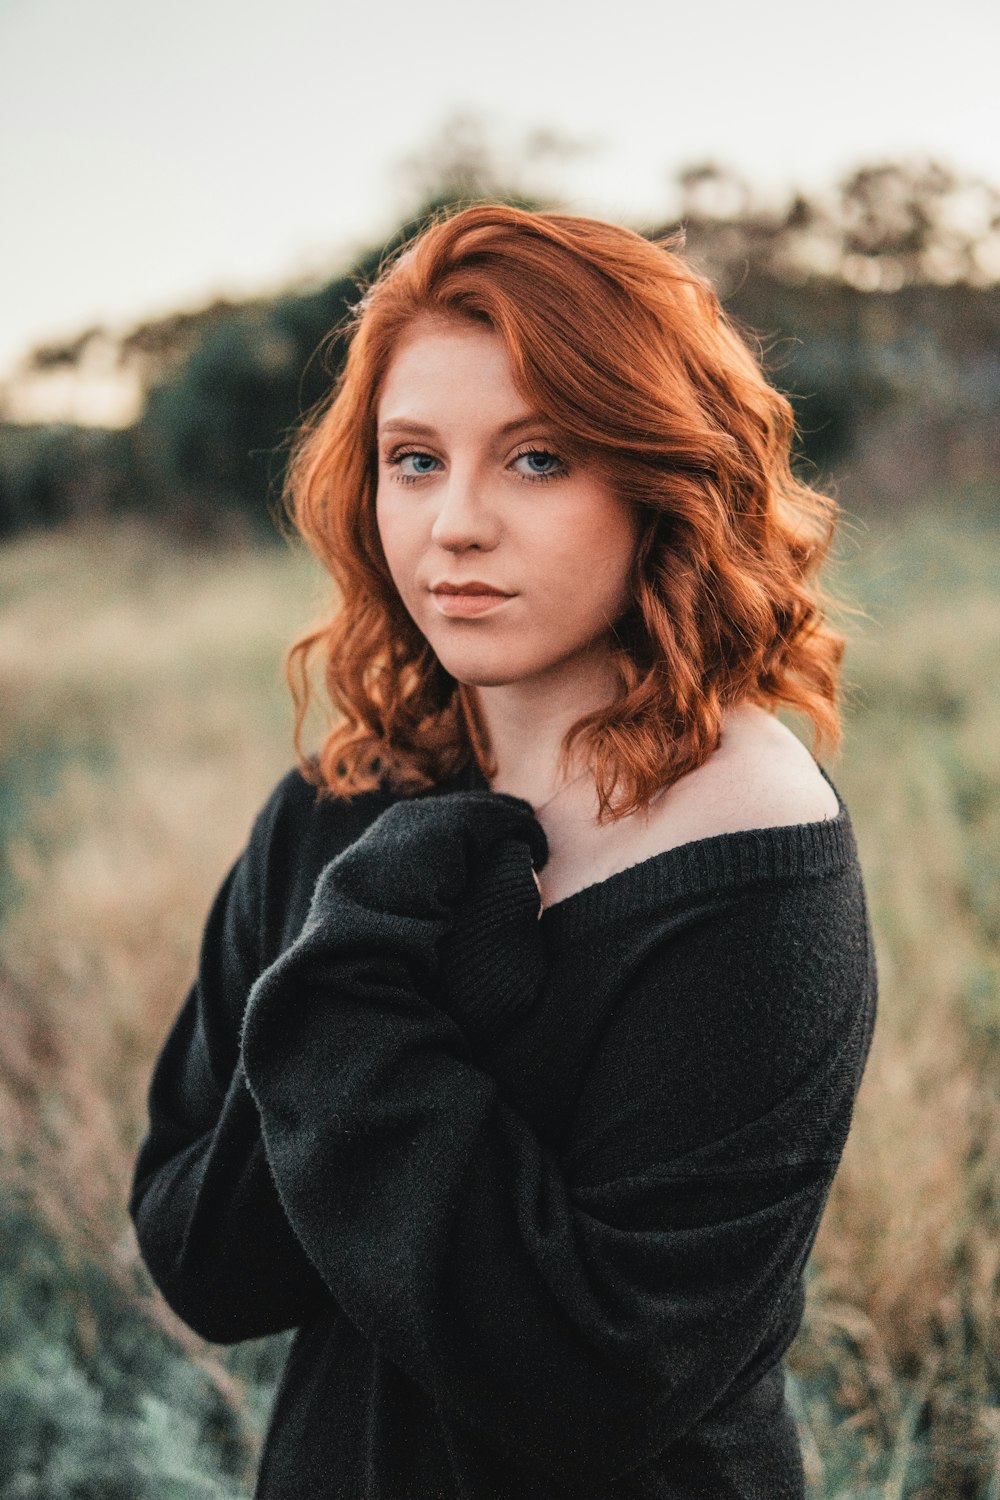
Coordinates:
x,y
537,1194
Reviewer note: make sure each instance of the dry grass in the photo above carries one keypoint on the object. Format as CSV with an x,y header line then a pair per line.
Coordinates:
x,y
903,1315
144,719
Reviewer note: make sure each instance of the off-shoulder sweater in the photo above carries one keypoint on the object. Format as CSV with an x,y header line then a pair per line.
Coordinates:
x,y
536,1194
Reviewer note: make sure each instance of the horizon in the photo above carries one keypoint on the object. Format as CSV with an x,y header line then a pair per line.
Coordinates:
x,y
156,161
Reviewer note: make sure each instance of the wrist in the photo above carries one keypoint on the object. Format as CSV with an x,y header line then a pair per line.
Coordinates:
x,y
492,956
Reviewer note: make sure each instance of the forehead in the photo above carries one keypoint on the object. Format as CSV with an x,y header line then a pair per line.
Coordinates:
x,y
441,365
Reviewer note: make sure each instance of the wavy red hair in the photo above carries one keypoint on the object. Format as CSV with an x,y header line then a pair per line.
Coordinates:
x,y
625,347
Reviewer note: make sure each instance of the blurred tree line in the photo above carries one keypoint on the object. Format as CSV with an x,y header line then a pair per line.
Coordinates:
x,y
877,304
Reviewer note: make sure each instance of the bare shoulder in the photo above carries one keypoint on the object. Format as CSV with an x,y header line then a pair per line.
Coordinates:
x,y
761,776
770,772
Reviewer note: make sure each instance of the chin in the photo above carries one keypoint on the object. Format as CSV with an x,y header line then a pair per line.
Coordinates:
x,y
485,677
477,669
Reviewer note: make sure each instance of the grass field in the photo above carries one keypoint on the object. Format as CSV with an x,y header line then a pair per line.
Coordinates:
x,y
143,718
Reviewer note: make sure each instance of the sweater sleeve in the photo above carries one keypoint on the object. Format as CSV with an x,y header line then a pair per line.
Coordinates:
x,y
207,1216
579,1310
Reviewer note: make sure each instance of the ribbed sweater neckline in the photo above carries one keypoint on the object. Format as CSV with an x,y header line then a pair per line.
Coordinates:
x,y
723,861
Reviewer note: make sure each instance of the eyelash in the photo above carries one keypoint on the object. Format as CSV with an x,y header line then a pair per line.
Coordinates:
x,y
395,458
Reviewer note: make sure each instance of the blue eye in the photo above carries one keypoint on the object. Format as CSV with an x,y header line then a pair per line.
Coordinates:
x,y
540,464
409,467
423,463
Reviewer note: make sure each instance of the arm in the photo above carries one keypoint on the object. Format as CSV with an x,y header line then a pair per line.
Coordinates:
x,y
579,1317
208,1219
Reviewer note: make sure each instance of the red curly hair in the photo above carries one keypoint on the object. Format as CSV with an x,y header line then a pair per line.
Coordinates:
x,y
625,347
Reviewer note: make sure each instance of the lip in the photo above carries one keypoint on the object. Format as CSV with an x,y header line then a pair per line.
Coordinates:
x,y
473,586
468,605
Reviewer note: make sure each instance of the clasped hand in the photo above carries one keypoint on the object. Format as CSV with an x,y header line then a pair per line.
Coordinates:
x,y
426,856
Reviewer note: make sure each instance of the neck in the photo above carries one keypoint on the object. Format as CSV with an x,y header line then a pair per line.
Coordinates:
x,y
526,722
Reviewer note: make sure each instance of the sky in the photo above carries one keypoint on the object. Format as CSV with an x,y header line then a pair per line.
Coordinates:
x,y
155,156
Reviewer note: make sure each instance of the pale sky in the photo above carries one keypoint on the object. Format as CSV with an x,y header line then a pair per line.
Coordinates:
x,y
152,156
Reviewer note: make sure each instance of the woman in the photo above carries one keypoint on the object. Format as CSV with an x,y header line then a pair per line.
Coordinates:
x,y
528,1027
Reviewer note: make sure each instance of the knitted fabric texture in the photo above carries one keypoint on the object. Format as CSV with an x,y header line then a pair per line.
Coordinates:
x,y
536,1194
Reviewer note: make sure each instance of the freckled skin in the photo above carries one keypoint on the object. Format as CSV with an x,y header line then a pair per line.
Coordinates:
x,y
466,500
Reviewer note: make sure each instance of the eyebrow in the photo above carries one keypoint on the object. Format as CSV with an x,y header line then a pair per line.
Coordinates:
x,y
402,424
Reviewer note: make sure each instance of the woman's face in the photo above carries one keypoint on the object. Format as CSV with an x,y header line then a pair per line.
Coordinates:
x,y
476,489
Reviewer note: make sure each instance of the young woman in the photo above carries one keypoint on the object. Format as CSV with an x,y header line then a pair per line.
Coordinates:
x,y
528,1026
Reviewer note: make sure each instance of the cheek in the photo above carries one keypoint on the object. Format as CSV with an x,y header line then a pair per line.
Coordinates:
x,y
393,534
605,546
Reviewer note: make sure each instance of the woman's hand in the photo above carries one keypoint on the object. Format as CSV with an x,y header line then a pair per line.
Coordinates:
x,y
440,885
538,883
424,854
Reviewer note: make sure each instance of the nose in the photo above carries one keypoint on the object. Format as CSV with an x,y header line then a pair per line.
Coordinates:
x,y
465,517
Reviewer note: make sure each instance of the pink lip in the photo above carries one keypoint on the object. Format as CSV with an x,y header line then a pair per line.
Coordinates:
x,y
468,605
471,586
468,599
